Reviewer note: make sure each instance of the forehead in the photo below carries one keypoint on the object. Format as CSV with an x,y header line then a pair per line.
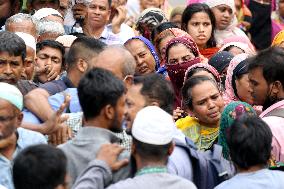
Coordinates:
x,y
204,90
50,51
223,6
200,16
99,2
6,108
178,49
4,55
136,45
256,74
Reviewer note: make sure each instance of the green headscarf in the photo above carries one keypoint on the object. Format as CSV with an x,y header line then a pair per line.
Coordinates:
x,y
232,111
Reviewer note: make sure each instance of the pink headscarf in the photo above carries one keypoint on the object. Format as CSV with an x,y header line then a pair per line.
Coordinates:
x,y
240,42
194,1
229,94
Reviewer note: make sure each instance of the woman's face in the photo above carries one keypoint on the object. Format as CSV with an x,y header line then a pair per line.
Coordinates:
x,y
145,62
207,103
243,89
199,28
163,44
223,15
179,53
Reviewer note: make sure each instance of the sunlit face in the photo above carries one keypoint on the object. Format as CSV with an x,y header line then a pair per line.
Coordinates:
x,y
48,57
179,53
224,15
259,86
98,13
144,4
243,89
207,103
199,28
135,101
145,62
163,44
11,68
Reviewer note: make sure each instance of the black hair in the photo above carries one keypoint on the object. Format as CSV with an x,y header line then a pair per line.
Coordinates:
x,y
196,70
12,44
271,61
52,44
232,46
243,139
190,10
84,48
160,28
109,3
98,88
40,166
189,84
150,152
155,87
240,70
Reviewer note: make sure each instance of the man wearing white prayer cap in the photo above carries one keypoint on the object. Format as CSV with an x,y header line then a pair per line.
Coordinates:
x,y
153,133
12,138
30,42
49,14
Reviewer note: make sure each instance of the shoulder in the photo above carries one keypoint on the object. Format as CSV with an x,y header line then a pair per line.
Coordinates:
x,y
186,122
54,87
28,137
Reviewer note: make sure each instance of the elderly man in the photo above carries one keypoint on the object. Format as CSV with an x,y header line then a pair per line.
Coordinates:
x,y
22,23
12,138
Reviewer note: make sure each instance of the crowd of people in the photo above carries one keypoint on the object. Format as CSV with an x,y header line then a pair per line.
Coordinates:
x,y
139,94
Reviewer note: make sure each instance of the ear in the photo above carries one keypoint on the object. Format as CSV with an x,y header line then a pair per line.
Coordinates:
x,y
109,112
82,65
20,117
128,81
154,103
171,149
276,87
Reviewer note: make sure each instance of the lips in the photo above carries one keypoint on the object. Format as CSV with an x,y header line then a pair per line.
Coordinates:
x,y
143,69
201,37
214,114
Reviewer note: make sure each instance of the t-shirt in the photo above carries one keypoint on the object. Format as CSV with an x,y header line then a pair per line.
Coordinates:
x,y
57,86
262,179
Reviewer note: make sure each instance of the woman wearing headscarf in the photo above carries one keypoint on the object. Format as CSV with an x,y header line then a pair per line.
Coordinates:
x,y
149,19
277,18
226,21
180,54
147,60
232,112
238,45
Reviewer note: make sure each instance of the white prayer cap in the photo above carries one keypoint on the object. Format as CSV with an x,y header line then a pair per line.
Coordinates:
x,y
44,12
66,40
214,3
152,125
11,94
29,40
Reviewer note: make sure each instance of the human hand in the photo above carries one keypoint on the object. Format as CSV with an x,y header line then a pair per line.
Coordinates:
x,y
61,135
79,11
118,18
52,74
178,113
53,123
109,154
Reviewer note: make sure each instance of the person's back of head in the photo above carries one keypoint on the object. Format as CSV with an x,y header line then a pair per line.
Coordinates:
x,y
12,44
157,90
160,28
84,49
153,131
249,140
99,89
40,166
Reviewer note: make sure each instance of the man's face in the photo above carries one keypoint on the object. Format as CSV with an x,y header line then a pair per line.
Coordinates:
x,y
38,4
63,6
24,26
135,101
11,68
98,13
119,115
48,58
29,64
260,88
8,119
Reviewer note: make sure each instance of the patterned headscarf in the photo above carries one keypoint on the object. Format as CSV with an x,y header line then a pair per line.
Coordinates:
x,y
176,72
150,46
240,42
207,67
232,112
230,94
148,19
220,60
278,39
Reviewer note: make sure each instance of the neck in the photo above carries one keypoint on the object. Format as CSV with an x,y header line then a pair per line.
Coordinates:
x,y
72,76
8,146
96,122
93,31
202,47
147,163
251,169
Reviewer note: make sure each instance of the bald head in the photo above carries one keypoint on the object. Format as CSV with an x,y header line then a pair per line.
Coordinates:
x,y
118,60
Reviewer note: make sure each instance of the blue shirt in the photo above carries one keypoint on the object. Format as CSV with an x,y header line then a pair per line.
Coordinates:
x,y
261,179
25,138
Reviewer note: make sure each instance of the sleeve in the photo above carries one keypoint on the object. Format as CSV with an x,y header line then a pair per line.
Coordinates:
x,y
53,87
96,176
